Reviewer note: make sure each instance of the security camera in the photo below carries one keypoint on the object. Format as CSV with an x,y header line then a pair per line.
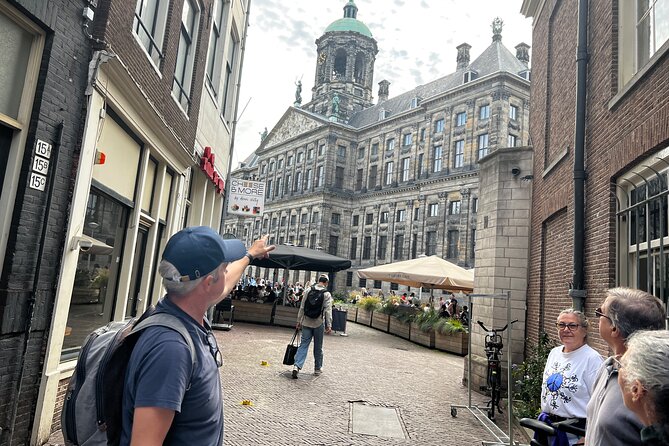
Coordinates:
x,y
515,171
85,245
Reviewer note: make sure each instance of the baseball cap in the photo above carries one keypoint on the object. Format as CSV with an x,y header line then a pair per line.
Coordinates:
x,y
198,250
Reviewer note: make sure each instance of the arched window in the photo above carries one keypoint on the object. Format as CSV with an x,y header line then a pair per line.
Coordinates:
x,y
339,69
359,70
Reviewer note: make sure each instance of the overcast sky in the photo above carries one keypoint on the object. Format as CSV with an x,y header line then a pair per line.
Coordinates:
x,y
416,41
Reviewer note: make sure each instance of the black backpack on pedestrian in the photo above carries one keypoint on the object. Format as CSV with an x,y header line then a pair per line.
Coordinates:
x,y
92,412
313,305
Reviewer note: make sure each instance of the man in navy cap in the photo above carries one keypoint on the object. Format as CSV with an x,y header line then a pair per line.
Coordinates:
x,y
166,400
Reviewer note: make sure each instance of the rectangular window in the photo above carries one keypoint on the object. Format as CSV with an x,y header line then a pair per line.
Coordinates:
x,y
439,125
300,157
375,149
290,160
341,151
389,172
405,169
229,87
362,283
433,210
281,164
358,179
436,159
283,221
454,207
384,217
307,180
215,57
183,71
372,177
366,248
332,245
315,217
484,112
406,139
312,241
355,220
279,187
354,248
339,177
459,154
361,153
651,28
420,165
369,219
431,243
149,27
381,248
483,145
310,154
513,112
475,204
461,119
349,278
416,214
287,184
473,243
398,254
319,176
336,218
321,150
377,284
293,219
414,246
422,134
298,181
274,221
268,192
390,144
512,140
304,219
400,215
452,240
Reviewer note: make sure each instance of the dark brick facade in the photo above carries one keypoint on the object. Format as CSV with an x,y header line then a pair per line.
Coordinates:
x,y
59,98
618,132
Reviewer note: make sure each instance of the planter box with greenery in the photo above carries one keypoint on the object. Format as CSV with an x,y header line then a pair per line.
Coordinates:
x,y
366,307
422,331
285,316
252,312
380,321
364,317
451,336
351,314
399,327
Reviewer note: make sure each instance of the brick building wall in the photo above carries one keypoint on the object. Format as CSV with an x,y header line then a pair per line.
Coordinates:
x,y
59,98
622,125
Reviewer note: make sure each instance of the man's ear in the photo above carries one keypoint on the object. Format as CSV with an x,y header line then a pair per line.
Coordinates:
x,y
637,390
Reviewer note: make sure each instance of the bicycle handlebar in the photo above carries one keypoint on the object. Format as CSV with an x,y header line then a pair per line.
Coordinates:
x,y
495,330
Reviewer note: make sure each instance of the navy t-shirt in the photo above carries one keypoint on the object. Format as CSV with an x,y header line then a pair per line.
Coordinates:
x,y
159,373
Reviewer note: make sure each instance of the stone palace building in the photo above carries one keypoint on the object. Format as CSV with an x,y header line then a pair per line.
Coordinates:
x,y
392,180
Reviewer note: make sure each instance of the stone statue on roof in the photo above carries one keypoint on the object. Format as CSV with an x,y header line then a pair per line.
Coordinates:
x,y
497,25
263,134
298,92
335,104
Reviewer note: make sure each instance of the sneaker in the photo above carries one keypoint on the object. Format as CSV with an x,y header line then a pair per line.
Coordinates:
x,y
296,370
318,372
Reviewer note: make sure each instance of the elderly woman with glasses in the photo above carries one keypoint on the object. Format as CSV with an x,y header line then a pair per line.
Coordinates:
x,y
569,375
624,312
644,381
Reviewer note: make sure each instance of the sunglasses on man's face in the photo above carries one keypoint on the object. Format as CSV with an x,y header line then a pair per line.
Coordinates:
x,y
600,313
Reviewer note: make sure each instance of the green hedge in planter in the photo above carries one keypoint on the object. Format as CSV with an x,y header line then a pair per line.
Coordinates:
x,y
370,303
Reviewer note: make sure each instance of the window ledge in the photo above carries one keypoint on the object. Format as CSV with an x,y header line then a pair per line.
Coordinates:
x,y
638,76
555,162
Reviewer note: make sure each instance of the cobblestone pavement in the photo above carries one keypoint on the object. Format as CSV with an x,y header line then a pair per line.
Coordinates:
x,y
368,365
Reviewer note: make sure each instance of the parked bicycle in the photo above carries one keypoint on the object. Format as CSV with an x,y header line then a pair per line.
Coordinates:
x,y
544,432
493,352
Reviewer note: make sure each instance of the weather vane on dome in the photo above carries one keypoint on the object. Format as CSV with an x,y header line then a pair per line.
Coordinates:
x,y
497,25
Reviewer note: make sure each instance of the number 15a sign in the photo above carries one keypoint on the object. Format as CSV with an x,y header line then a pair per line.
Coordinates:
x,y
40,167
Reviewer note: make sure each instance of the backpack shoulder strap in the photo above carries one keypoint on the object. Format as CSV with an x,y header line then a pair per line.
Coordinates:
x,y
173,322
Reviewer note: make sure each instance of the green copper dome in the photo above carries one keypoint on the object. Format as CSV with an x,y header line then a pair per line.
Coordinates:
x,y
349,22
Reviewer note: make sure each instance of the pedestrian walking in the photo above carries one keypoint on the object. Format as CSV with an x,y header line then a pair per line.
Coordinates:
x,y
168,397
314,318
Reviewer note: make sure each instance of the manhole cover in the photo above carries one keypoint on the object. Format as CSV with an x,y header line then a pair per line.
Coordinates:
x,y
376,420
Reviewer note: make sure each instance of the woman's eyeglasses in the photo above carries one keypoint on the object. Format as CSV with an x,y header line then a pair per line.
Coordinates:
x,y
599,313
570,326
213,348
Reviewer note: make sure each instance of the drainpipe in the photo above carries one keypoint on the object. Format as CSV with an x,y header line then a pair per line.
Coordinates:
x,y
577,291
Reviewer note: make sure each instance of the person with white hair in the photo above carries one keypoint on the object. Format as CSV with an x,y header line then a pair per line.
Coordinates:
x,y
644,382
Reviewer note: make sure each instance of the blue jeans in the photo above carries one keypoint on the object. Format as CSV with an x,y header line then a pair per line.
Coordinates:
x,y
307,334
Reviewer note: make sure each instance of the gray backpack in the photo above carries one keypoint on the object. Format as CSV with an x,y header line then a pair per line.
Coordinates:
x,y
92,410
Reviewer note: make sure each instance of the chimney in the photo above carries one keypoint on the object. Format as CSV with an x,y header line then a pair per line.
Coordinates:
x,y
463,55
523,53
383,91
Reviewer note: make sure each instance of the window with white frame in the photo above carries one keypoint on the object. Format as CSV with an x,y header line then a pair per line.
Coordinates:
x,y
459,153
310,154
439,125
321,150
390,144
484,111
401,215
231,63
183,71
461,119
216,45
405,169
454,207
320,173
389,172
308,179
341,151
300,157
436,159
513,112
382,246
406,139
361,153
512,140
384,217
149,27
375,149
433,210
483,145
